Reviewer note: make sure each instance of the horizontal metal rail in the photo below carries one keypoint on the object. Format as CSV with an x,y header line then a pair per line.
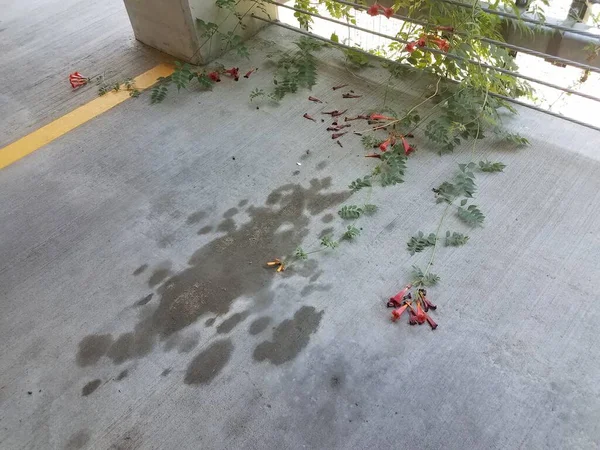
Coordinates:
x,y
447,55
497,43
524,19
338,44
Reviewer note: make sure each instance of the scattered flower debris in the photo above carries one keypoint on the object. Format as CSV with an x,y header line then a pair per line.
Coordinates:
x,y
373,155
338,127
234,73
335,88
408,149
348,95
335,113
214,76
307,116
250,72
360,116
77,80
314,99
338,135
376,116
277,263
340,144
403,301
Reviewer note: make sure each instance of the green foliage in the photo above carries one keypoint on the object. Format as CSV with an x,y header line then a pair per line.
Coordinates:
x,y
357,58
227,4
516,139
300,253
420,242
296,70
304,20
335,9
159,92
234,42
488,166
463,185
207,29
351,233
182,75
204,81
369,209
360,183
392,168
327,242
455,239
471,215
350,212
256,93
370,142
423,279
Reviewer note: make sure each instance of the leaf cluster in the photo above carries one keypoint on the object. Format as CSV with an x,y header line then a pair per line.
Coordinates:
x,y
420,242
422,279
471,215
455,239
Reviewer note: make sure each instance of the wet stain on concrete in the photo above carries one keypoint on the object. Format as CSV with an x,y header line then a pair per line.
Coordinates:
x,y
226,226
144,300
209,363
223,270
205,230
159,275
307,290
188,344
92,348
327,218
321,165
165,372
259,325
290,337
230,213
122,375
296,173
243,203
326,232
78,440
316,276
210,322
195,218
140,269
166,240
231,322
90,387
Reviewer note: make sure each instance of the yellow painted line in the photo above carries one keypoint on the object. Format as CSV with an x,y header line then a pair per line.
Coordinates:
x,y
42,136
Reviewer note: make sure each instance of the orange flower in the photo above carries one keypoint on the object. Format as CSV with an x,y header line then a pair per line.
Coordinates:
x,y
396,313
277,263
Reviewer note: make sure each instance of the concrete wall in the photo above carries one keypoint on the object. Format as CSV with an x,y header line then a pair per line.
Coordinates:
x,y
171,25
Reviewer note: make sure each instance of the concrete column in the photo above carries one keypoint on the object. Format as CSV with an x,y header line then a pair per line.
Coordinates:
x,y
172,25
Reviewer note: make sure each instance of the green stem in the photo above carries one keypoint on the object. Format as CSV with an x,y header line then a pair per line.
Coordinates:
x,y
437,238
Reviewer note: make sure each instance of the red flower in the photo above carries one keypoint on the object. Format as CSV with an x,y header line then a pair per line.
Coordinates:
x,y
385,144
314,99
306,116
373,10
442,44
214,76
411,47
374,155
420,315
338,135
426,303
77,80
408,149
250,73
412,319
396,313
442,28
430,321
422,42
234,73
396,300
376,116
388,12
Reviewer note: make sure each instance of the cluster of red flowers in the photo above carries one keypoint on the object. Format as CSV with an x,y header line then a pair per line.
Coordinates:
x,y
403,301
374,9
425,39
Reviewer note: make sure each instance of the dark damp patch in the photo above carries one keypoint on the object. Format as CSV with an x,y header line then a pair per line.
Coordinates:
x,y
259,325
166,240
242,203
140,269
326,232
230,213
92,348
307,290
78,440
230,323
296,172
227,226
122,375
316,276
322,165
144,300
290,337
90,387
196,217
228,267
210,322
188,344
390,226
327,218
159,274
205,230
166,372
209,363
337,381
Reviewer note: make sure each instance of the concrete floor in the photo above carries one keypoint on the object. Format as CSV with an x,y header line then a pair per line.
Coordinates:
x,y
136,312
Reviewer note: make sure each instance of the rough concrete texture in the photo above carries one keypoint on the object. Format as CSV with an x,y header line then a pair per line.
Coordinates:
x,y
136,312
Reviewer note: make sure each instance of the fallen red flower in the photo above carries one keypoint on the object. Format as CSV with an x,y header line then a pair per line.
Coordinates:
x,y
314,99
376,116
388,12
385,144
373,10
250,72
412,316
351,96
234,73
338,127
335,113
397,313
420,315
396,300
426,303
77,80
374,155
277,263
340,144
306,116
335,88
430,321
338,135
215,76
408,149
360,116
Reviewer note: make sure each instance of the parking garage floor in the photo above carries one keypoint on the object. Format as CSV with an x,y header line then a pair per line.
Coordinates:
x,y
137,312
